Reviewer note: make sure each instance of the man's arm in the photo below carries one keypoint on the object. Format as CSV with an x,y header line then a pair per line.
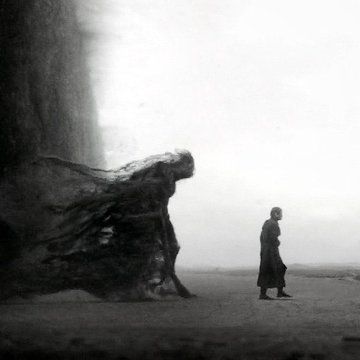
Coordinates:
x,y
272,234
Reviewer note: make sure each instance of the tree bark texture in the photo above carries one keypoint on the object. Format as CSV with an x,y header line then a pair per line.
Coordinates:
x,y
68,226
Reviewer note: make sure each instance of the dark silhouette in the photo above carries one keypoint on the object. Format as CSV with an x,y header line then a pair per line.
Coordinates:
x,y
272,269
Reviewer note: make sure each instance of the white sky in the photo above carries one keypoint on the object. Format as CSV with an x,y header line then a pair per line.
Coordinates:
x,y
266,96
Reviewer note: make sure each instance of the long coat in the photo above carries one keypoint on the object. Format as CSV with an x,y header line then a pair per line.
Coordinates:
x,y
272,269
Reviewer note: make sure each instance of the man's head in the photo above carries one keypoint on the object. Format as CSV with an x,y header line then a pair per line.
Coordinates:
x,y
276,213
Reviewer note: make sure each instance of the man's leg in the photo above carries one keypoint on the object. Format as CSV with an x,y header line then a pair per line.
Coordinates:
x,y
282,293
263,295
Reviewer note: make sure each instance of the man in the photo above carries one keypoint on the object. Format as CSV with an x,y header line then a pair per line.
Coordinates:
x,y
272,269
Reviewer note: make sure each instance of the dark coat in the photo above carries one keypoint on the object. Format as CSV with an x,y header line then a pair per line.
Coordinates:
x,y
272,269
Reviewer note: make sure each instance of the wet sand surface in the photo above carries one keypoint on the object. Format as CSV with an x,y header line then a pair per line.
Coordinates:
x,y
225,321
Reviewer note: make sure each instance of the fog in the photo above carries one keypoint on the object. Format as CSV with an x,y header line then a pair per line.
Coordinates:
x,y
266,96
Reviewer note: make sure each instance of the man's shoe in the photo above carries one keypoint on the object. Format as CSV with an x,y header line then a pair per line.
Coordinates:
x,y
265,297
283,295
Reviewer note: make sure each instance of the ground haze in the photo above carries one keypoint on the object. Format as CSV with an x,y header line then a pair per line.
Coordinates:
x,y
225,321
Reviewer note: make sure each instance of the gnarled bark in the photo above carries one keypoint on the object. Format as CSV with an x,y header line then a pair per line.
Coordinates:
x,y
107,232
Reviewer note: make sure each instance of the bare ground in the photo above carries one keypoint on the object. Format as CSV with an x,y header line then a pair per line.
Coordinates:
x,y
225,321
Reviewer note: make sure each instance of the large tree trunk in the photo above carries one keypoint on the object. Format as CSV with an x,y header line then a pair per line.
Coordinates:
x,y
46,101
107,232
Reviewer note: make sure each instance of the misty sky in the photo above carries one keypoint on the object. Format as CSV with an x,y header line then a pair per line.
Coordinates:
x,y
266,96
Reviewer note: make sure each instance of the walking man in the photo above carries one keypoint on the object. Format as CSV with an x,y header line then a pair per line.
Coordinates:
x,y
272,269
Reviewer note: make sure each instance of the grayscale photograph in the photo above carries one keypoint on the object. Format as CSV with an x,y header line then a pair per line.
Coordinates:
x,y
180,179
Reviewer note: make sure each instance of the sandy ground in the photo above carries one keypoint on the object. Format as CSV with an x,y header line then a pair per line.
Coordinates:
x,y
225,321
